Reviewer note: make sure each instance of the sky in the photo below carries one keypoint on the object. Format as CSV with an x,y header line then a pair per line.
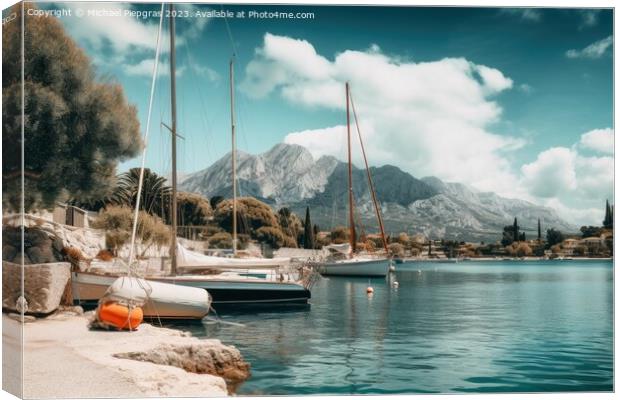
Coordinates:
x,y
518,101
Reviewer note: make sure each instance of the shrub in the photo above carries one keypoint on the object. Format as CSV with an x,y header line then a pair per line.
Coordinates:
x,y
271,236
339,235
117,222
221,240
396,249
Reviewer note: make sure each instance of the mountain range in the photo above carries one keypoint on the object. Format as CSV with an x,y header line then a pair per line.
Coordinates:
x,y
288,176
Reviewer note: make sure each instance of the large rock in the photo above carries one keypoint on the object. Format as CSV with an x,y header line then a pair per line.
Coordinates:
x,y
44,285
209,357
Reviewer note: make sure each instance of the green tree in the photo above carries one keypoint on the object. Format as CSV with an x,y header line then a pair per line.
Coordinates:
x,y
155,197
608,222
193,209
273,237
290,224
589,231
251,215
539,231
554,237
76,128
308,231
515,231
215,200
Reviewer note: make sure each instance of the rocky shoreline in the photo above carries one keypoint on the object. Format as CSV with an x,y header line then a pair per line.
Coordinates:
x,y
63,358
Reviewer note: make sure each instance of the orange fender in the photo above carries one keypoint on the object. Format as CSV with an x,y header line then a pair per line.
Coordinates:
x,y
120,316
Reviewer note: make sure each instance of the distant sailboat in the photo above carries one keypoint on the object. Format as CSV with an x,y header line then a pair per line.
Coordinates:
x,y
356,264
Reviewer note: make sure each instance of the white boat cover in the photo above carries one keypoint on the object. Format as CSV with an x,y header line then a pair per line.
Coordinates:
x,y
187,258
344,248
159,299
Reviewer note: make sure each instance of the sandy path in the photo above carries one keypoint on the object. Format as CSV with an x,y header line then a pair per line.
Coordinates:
x,y
63,358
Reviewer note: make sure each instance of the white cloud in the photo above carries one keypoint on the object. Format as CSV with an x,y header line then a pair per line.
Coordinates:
x,y
594,50
551,174
595,176
429,118
145,68
578,216
525,88
601,140
589,18
119,33
526,14
128,41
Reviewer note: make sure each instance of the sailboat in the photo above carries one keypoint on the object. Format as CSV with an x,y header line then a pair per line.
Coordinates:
x,y
157,299
224,286
356,264
193,261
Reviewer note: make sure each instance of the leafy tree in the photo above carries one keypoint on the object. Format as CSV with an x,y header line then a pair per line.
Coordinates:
x,y
519,249
290,224
507,235
215,200
589,231
252,214
309,231
193,209
554,237
77,128
273,236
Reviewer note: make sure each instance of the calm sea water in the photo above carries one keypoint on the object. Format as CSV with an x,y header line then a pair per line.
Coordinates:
x,y
467,327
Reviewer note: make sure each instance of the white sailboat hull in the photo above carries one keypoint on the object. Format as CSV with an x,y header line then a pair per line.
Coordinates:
x,y
378,267
89,287
163,300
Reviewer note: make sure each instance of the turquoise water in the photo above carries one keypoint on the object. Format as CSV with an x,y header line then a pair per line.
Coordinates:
x,y
467,327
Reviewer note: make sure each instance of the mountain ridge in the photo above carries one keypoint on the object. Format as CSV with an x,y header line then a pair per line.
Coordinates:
x,y
288,175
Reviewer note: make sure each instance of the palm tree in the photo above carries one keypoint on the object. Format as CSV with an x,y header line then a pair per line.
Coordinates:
x,y
155,192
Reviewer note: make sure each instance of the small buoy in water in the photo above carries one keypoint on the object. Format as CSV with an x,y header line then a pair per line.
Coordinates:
x,y
392,268
370,290
395,284
419,271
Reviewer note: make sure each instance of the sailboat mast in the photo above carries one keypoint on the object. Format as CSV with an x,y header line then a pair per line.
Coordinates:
x,y
352,238
234,154
173,108
370,182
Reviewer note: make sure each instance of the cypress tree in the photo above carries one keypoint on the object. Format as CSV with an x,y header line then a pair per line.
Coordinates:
x,y
608,221
515,231
308,232
539,232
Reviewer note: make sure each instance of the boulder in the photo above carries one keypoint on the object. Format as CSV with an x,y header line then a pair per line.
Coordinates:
x,y
209,357
44,285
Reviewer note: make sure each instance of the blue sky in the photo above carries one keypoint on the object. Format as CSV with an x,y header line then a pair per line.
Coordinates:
x,y
516,101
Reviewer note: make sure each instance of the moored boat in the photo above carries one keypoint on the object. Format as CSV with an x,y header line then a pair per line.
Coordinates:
x,y
223,288
353,264
378,267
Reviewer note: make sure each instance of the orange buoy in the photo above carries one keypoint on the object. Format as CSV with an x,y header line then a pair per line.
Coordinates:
x,y
370,290
120,316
